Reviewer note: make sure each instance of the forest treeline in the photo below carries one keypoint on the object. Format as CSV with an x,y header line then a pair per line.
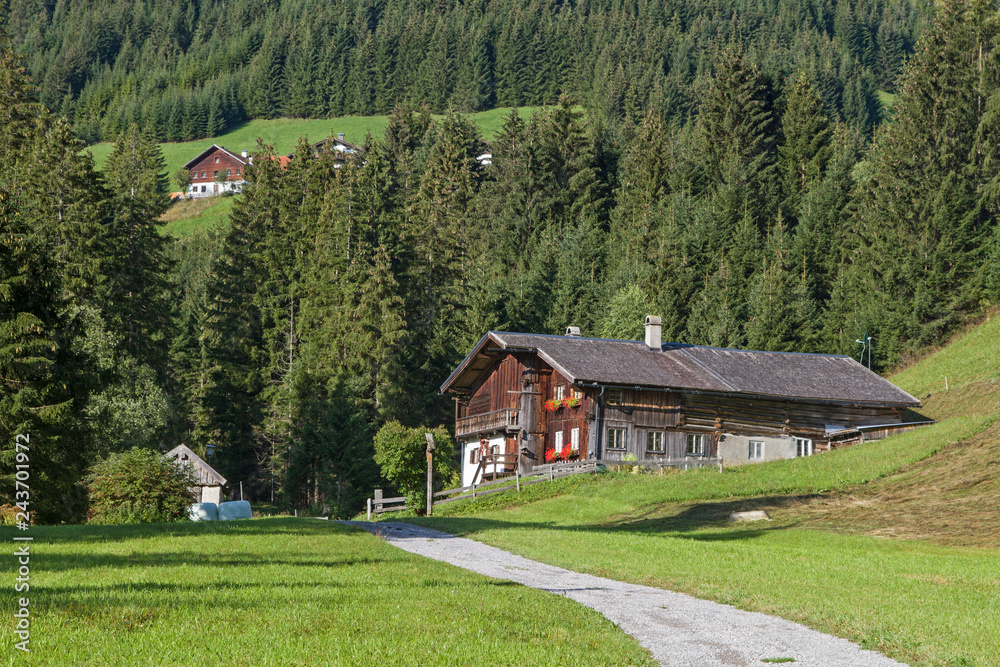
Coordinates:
x,y
337,300
194,68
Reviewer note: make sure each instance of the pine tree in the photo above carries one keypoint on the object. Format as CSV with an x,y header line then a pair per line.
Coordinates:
x,y
136,290
805,150
920,225
40,380
739,135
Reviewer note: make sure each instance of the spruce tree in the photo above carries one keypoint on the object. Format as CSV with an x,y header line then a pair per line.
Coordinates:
x,y
136,290
805,149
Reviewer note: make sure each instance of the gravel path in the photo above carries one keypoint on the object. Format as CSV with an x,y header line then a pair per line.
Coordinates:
x,y
680,631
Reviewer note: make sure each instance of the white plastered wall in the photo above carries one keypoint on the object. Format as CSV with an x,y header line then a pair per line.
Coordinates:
x,y
735,449
469,469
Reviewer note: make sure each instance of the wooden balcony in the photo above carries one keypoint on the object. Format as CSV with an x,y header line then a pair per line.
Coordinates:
x,y
498,420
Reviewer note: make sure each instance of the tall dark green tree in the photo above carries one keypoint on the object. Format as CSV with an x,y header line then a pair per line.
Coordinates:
x,y
135,295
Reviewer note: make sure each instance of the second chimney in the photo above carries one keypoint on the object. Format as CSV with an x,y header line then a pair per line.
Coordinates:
x,y
572,331
653,333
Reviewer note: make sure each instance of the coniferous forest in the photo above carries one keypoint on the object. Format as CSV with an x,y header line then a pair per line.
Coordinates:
x,y
192,68
727,166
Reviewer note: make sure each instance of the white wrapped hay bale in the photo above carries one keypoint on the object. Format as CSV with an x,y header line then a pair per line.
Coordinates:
x,y
235,509
204,512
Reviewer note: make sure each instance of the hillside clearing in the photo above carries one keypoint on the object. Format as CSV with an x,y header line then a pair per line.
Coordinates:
x,y
286,592
284,133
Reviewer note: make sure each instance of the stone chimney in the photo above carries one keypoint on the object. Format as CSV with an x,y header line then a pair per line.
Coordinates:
x,y
653,333
573,331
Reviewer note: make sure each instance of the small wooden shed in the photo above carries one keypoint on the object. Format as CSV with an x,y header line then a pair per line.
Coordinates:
x,y
210,482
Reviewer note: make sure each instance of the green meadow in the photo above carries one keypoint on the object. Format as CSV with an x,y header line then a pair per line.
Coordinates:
x,y
284,591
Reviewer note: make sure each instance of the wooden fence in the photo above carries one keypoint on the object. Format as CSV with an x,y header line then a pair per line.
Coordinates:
x,y
541,473
686,463
379,505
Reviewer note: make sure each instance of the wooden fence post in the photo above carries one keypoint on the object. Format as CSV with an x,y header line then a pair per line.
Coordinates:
x,y
378,501
430,472
369,509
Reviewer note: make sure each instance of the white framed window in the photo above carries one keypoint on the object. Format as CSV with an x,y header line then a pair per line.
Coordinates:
x,y
575,393
616,438
756,451
559,441
560,392
494,450
695,444
654,441
474,454
216,159
803,447
574,439
615,396
229,172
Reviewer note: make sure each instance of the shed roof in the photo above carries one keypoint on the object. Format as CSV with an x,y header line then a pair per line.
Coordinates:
x,y
627,363
204,473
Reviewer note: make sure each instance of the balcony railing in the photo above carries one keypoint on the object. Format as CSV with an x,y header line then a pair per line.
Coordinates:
x,y
497,420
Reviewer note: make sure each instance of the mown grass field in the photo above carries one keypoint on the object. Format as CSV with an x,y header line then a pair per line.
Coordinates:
x,y
892,544
284,591
185,217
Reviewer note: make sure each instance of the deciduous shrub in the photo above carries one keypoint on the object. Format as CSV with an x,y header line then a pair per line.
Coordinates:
x,y
138,486
401,453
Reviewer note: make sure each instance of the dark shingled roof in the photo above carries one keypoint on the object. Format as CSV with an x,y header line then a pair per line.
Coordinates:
x,y
822,377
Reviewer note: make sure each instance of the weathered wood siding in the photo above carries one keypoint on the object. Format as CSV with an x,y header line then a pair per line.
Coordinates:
x,y
639,413
760,416
499,389
565,419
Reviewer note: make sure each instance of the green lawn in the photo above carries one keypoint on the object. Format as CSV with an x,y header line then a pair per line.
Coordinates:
x,y
285,591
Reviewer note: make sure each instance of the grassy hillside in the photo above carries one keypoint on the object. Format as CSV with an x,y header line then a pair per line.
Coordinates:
x,y
824,559
183,218
284,133
285,592
972,359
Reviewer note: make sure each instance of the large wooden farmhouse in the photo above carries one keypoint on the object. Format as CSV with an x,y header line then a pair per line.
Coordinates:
x,y
206,167
533,397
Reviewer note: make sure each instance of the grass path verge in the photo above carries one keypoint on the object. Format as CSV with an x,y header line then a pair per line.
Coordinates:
x,y
285,592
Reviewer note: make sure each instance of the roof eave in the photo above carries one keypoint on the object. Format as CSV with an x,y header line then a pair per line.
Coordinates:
x,y
476,349
584,382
